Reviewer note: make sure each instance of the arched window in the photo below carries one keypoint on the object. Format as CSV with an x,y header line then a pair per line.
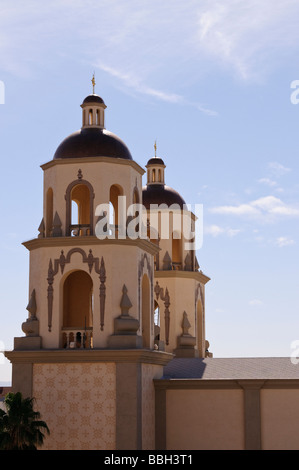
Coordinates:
x,y
79,208
78,307
146,312
176,251
115,192
49,212
200,330
80,219
90,117
156,321
77,300
135,196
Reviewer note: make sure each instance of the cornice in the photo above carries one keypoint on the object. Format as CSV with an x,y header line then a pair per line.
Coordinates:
x,y
196,275
89,355
117,161
48,242
240,384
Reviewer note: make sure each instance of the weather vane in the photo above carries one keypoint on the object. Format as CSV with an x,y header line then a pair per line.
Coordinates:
x,y
155,147
93,83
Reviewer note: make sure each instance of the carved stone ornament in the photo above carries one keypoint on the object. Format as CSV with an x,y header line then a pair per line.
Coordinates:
x,y
125,324
125,327
41,229
186,342
31,326
92,262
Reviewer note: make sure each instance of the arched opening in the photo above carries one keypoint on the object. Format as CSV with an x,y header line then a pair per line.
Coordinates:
x,y
90,117
176,251
156,321
77,318
97,117
200,330
146,312
80,210
159,176
154,176
49,212
135,196
115,192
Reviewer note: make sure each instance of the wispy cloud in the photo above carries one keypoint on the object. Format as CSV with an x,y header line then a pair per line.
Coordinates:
x,y
266,208
278,169
244,35
284,241
159,42
267,182
256,303
215,231
135,83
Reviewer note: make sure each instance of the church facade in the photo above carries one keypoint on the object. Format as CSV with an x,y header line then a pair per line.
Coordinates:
x,y
114,350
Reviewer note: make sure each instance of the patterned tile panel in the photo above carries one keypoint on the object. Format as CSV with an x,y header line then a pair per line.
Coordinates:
x,y
78,403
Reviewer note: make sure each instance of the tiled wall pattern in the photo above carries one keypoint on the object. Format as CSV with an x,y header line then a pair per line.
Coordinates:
x,y
78,403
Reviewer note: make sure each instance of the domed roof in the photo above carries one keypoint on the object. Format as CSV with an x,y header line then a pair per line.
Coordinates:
x,y
160,194
93,99
155,161
92,142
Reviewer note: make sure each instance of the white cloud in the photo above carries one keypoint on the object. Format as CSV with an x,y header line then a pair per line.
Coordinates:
x,y
284,241
278,169
266,207
246,35
256,303
138,85
267,182
152,40
215,231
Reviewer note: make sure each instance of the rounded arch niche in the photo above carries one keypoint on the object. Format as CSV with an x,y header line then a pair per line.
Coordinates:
x,y
81,194
78,300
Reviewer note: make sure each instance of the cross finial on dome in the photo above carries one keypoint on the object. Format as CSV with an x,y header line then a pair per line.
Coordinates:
x,y
93,83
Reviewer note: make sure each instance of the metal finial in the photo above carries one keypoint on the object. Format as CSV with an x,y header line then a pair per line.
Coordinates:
x,y
93,83
155,147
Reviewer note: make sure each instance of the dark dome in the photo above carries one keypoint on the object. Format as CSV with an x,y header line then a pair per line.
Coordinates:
x,y
93,99
155,161
160,194
92,142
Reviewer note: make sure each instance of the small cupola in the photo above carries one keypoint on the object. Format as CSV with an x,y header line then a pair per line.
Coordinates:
x,y
93,110
155,169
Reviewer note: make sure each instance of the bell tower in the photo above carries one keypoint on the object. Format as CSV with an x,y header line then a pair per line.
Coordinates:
x,y
179,301
89,334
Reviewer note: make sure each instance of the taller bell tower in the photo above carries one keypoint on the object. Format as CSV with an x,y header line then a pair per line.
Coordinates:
x,y
89,355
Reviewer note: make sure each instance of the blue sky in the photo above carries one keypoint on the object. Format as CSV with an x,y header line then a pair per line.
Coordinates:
x,y
211,82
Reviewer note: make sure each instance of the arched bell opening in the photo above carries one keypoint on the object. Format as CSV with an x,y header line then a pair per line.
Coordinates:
x,y
77,317
176,251
115,192
146,312
156,321
49,212
79,209
200,329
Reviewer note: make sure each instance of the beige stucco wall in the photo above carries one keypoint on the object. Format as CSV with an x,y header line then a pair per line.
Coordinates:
x,y
149,372
279,419
59,175
204,419
121,264
183,288
78,403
